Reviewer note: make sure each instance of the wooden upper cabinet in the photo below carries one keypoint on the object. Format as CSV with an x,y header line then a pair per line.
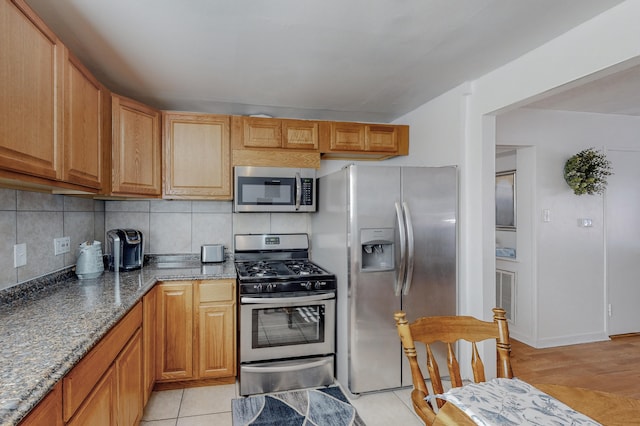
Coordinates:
x,y
261,132
84,129
275,142
363,140
381,138
300,134
258,132
197,158
347,137
136,146
31,81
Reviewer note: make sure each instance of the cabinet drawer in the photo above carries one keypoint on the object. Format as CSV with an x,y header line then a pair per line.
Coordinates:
x,y
216,291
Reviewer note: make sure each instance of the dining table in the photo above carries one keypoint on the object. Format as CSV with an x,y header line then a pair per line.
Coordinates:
x,y
603,407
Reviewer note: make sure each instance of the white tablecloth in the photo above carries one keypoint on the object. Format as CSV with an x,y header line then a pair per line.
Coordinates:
x,y
512,402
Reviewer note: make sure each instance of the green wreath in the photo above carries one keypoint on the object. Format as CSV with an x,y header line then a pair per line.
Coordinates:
x,y
587,171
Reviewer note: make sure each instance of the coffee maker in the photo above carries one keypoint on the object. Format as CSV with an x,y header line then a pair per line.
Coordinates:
x,y
125,249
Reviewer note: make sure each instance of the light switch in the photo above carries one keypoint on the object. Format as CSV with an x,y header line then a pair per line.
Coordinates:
x,y
585,223
19,255
546,215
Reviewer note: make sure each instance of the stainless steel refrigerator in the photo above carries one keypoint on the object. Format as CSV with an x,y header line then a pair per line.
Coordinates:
x,y
389,234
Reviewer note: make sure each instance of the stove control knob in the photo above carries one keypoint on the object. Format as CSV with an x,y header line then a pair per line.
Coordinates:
x,y
258,288
307,285
271,287
318,285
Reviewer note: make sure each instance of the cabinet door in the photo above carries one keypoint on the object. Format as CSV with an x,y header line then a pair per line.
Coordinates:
x,y
83,124
300,134
217,341
129,382
197,161
136,148
347,137
381,138
149,346
98,409
31,81
262,132
175,331
48,412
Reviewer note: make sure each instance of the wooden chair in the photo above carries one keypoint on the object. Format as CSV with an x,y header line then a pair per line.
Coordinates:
x,y
449,329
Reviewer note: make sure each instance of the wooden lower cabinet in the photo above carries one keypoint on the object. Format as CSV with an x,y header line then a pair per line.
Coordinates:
x,y
149,325
98,407
174,357
105,387
196,330
129,374
181,332
48,412
217,340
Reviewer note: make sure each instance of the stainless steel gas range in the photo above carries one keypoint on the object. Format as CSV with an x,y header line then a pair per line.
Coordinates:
x,y
286,314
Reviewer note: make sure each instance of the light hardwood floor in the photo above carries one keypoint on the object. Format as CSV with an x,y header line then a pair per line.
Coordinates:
x,y
610,366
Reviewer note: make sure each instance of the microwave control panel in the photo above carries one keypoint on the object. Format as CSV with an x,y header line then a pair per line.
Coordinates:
x,y
307,192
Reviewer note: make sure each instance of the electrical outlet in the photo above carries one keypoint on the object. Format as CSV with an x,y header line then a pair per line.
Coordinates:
x,y
61,245
19,255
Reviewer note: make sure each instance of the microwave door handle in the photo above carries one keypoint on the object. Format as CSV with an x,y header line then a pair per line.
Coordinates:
x,y
298,191
410,248
397,288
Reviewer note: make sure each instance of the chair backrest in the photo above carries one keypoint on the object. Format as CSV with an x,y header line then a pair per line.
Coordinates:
x,y
449,330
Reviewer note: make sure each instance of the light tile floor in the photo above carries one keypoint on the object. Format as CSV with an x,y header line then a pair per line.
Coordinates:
x,y
211,405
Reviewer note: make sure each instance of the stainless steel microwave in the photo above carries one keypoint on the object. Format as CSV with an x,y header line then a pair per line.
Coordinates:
x,y
274,189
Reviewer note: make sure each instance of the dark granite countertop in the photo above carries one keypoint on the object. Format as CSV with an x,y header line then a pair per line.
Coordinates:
x,y
48,325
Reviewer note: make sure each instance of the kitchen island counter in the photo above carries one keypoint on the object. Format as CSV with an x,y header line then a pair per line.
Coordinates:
x,y
48,325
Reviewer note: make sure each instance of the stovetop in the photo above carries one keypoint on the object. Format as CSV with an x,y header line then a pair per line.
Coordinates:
x,y
278,263
297,268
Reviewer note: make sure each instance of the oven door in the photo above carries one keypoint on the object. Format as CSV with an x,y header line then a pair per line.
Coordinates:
x,y
286,327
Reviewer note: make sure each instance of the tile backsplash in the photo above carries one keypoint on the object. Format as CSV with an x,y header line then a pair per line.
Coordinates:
x,y
169,227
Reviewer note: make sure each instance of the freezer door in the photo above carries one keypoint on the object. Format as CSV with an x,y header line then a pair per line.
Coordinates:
x,y
431,195
374,359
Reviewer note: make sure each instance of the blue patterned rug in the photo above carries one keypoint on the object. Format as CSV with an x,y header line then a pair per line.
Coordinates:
x,y
312,407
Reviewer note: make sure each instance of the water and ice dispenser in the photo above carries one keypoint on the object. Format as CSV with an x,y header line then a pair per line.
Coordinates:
x,y
377,249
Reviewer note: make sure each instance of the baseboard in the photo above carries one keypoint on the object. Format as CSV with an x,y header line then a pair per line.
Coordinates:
x,y
527,340
193,383
570,340
617,336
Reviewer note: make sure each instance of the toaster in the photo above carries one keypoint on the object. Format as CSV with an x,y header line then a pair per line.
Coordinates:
x,y
212,253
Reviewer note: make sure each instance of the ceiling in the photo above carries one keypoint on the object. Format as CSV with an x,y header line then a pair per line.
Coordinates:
x,y
354,60
615,93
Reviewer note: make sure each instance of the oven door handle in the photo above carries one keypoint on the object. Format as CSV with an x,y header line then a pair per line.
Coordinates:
x,y
278,300
297,367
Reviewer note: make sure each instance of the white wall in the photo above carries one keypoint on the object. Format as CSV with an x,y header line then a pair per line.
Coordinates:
x,y
606,41
570,259
434,133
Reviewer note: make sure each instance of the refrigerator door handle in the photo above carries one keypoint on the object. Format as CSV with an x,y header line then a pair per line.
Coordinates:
x,y
397,289
410,248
